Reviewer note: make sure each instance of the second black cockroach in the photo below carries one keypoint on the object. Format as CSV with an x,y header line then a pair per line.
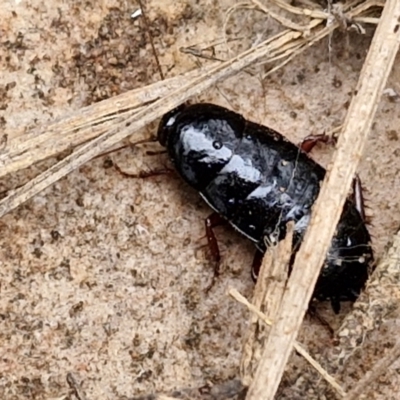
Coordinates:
x,y
258,181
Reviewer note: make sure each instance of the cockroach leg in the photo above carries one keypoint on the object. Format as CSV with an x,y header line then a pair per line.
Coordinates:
x,y
308,144
155,153
256,265
145,174
211,222
358,197
310,141
125,145
313,313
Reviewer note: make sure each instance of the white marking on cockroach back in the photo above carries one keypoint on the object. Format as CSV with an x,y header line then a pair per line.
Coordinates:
x,y
293,213
170,122
243,169
263,190
302,223
196,140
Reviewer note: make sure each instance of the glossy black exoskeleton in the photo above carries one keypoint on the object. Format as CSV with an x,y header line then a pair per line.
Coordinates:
x,y
258,181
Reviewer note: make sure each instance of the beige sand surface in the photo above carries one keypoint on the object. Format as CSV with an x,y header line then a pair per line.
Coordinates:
x,y
102,276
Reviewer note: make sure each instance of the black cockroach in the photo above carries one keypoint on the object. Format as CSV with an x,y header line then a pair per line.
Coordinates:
x,y
258,181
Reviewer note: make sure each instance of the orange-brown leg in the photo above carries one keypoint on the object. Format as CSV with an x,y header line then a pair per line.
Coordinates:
x,y
211,222
310,141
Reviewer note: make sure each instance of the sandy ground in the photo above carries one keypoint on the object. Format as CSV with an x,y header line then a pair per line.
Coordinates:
x,y
103,276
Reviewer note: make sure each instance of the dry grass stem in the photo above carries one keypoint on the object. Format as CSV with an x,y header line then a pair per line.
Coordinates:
x,y
306,35
329,204
313,13
297,346
84,124
282,20
303,42
267,297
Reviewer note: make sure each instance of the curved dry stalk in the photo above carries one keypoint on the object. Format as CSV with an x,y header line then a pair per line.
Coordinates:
x,y
309,35
285,21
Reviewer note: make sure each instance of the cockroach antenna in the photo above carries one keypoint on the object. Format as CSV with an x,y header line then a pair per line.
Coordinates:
x,y
147,27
